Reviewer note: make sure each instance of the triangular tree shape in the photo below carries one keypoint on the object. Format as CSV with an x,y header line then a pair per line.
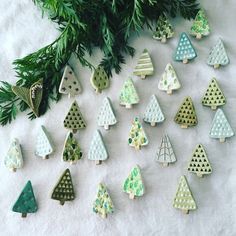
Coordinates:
x,y
185,50
144,66
69,83
103,204
14,160
213,97
165,153
99,79
153,113
44,146
133,185
106,115
218,55
200,25
97,150
169,80
199,163
137,136
164,29
183,199
74,119
221,128
71,151
186,115
128,94
26,202
64,190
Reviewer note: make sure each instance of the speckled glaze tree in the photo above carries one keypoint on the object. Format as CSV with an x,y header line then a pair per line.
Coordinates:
x,y
183,199
26,203
213,96
99,79
103,204
133,185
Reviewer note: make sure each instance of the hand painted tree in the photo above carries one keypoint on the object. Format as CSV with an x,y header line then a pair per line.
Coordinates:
x,y
165,153
183,199
199,163
133,185
213,96
44,146
69,83
218,56
128,95
71,151
26,202
97,150
106,115
137,136
99,79
153,113
185,50
169,80
74,119
64,190
103,204
13,159
186,115
221,128
164,29
144,66
200,25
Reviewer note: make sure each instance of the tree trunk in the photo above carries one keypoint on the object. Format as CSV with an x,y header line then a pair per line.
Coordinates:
x,y
24,215
98,162
163,40
169,92
216,66
106,127
153,124
185,61
131,196
62,202
184,126
128,106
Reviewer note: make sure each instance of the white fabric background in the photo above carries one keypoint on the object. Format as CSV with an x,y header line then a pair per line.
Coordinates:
x,y
23,31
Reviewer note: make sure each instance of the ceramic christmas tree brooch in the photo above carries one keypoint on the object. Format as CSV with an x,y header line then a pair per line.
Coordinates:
x,y
169,80
183,199
69,83
26,202
14,160
99,79
133,185
186,115
144,66
103,204
221,128
185,50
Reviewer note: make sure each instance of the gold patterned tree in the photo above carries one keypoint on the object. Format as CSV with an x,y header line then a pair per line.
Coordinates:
x,y
99,79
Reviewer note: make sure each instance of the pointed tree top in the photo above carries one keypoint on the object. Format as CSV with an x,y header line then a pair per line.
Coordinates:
x,y
99,79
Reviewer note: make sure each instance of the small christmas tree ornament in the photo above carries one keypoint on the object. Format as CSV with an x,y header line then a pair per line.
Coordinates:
x,y
106,115
69,83
185,50
74,119
26,202
144,66
97,150
213,97
153,113
137,136
164,29
165,153
221,128
103,204
64,190
44,146
169,80
133,185
71,151
14,160
218,56
183,199
128,95
186,115
32,96
99,79
199,163
200,25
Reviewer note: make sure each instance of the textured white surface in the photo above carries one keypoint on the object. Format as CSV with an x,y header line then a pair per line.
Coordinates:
x,y
23,31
